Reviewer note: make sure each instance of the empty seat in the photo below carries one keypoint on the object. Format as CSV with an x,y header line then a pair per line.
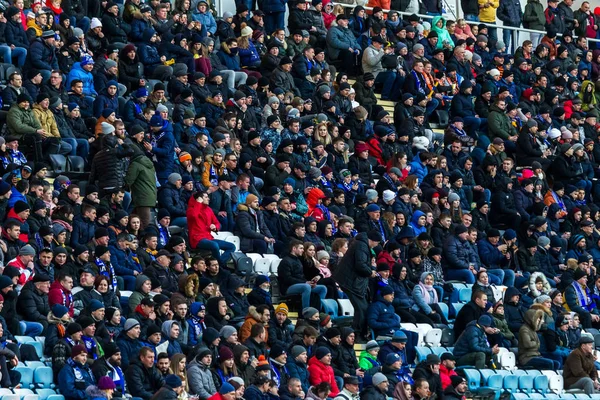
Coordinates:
x,y
510,382
457,307
58,162
556,383
330,306
24,339
345,307
56,397
76,164
508,360
26,376
490,379
44,393
235,240
422,353
433,338
275,265
438,351
11,397
444,308
464,295
262,266
31,397
23,392
34,364
540,383
43,378
473,378
526,383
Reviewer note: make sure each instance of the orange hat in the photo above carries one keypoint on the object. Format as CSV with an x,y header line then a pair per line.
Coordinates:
x,y
185,156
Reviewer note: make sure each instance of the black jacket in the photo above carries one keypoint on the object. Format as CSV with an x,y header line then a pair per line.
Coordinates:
x,y
33,305
290,272
354,269
142,381
108,168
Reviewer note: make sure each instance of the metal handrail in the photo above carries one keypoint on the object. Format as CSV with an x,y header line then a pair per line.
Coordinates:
x,y
425,16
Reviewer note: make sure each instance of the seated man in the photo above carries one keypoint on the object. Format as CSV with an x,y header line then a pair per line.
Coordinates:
x,y
75,377
142,377
579,299
472,347
381,316
579,369
33,304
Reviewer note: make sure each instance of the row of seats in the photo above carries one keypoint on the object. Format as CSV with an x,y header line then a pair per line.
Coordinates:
x,y
28,394
507,360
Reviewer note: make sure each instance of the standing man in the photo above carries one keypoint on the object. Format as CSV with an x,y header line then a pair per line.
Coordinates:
x,y
353,273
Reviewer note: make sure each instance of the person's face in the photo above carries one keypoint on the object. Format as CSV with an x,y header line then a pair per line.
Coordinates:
x,y
481,302
163,365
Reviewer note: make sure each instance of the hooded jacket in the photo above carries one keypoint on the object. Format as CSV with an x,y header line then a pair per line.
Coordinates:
x,y
77,72
354,269
529,343
513,312
319,372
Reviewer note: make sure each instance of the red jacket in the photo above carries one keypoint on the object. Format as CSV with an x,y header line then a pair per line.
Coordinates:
x,y
26,274
24,236
445,376
319,372
200,217
59,295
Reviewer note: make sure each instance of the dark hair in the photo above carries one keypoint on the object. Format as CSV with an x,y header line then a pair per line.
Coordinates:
x,y
256,330
161,356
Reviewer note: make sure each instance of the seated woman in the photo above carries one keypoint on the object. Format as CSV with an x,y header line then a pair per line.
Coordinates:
x,y
483,284
529,343
426,300
538,286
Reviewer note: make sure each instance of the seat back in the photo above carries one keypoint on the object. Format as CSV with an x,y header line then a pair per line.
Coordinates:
x,y
26,376
464,295
447,339
262,266
58,162
345,308
433,338
43,377
275,265
76,164
330,306
511,382
473,378
540,383
508,361
44,393
526,383
422,353
556,384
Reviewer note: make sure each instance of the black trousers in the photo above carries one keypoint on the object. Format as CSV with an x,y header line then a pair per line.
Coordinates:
x,y
360,304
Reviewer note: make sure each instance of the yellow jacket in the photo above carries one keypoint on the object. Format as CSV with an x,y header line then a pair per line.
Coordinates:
x,y
47,121
31,24
488,14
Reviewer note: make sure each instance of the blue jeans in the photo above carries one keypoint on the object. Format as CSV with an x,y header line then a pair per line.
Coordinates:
x,y
387,78
274,21
19,52
305,290
521,281
80,147
542,363
227,223
180,222
472,17
461,275
472,124
492,33
32,329
506,38
129,282
496,276
215,246
431,106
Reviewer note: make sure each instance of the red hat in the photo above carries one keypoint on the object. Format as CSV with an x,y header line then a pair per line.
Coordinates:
x,y
77,350
527,93
360,147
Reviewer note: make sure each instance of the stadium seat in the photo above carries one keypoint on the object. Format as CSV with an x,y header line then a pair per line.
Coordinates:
x,y
262,266
235,240
44,393
270,256
520,396
498,292
24,339
526,383
5,391
26,376
510,382
221,235
31,397
275,266
444,308
433,338
345,308
540,383
422,330
332,307
490,379
23,392
56,397
39,349
438,351
422,353
473,378
556,384
34,364
508,360
43,378
457,307
464,295
76,164
254,257
11,397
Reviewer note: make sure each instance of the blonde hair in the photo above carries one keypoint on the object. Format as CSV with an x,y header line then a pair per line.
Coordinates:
x,y
243,42
327,139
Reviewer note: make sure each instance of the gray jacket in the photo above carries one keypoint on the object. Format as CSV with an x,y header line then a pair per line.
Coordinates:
x,y
200,380
371,60
339,38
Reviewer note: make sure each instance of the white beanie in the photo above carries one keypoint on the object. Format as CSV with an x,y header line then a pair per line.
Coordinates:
x,y
554,133
107,128
494,72
95,23
388,195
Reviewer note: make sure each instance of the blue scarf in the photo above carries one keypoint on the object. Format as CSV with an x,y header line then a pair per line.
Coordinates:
x,y
198,326
90,346
163,235
108,272
584,298
390,181
418,82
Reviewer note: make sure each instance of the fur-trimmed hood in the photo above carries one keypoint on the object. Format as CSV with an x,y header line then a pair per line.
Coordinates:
x,y
546,289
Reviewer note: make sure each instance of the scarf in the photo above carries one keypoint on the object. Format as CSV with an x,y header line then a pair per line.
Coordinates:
x,y
418,80
198,326
70,341
390,181
584,297
61,330
163,235
152,253
426,296
117,377
109,272
67,299
90,346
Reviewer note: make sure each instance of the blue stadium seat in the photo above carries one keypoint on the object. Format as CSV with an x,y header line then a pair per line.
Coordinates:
x,y
511,382
457,307
56,397
444,308
24,339
464,295
39,349
11,397
23,392
34,364
26,376
540,383
526,383
520,396
43,377
491,379
473,377
422,353
438,351
44,393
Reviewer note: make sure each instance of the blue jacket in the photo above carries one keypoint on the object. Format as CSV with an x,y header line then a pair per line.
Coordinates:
x,y
130,349
105,101
15,34
402,294
472,340
73,379
382,318
490,256
169,197
420,304
138,27
213,113
414,223
131,113
123,262
249,57
231,61
43,57
253,393
77,72
148,53
83,231
457,254
206,19
339,38
297,369
165,151
418,168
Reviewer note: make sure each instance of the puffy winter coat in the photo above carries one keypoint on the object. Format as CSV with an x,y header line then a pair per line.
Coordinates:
x,y
382,318
77,72
339,38
534,18
104,100
74,379
472,340
47,121
320,372
114,28
148,52
457,254
21,122
108,169
529,343
206,19
170,197
510,12
246,228
200,217
200,379
41,56
15,34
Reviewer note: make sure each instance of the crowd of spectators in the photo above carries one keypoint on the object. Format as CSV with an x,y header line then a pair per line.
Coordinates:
x,y
265,123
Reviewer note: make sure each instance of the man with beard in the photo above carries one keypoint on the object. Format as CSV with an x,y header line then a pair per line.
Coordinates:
x,y
163,363
110,365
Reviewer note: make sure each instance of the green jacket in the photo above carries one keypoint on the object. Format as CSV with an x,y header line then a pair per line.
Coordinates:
x,y
369,363
21,122
499,124
443,34
501,324
141,179
534,17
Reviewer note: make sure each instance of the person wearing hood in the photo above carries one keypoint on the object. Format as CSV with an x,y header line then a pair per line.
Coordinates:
x,y
216,311
529,343
236,298
438,25
143,286
514,311
199,376
108,98
170,332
